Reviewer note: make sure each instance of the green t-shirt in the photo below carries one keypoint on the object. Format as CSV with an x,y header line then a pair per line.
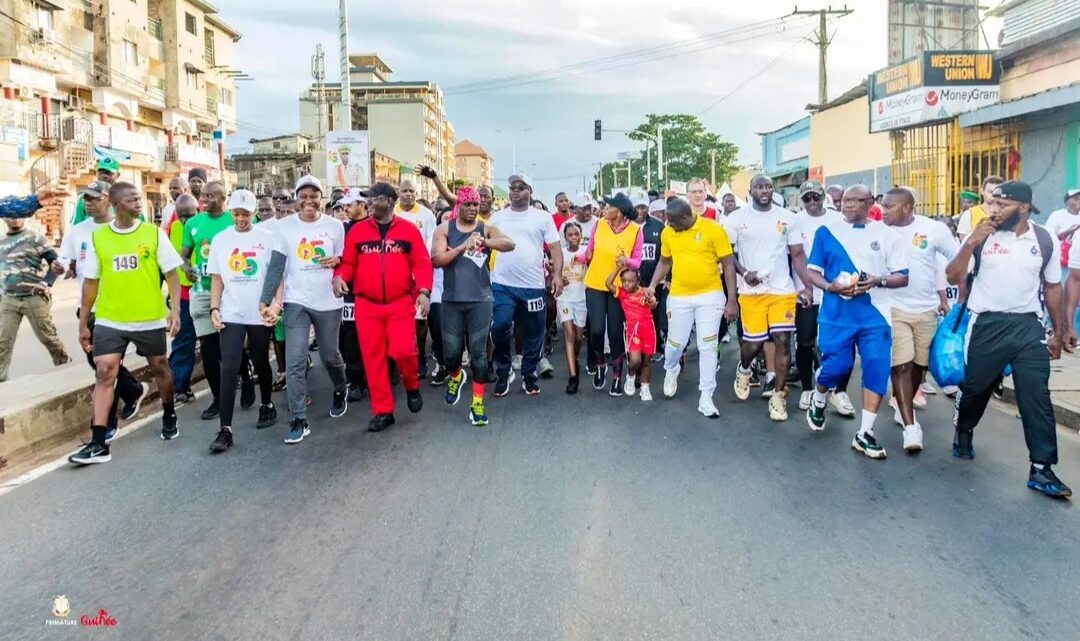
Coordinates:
x,y
199,230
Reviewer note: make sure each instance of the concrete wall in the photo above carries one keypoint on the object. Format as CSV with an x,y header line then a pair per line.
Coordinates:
x,y
842,145
1051,65
879,180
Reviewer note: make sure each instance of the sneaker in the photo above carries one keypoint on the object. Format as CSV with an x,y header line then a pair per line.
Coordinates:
x,y
778,407
805,399
502,385
999,390
169,430
181,398
413,400
211,412
440,376
279,383
530,385
726,338
590,369
962,447
755,380
913,438
630,386
615,389
516,364
132,408
297,431
896,417
267,416
545,369
572,385
657,357
313,345
671,381
742,383
356,393
646,393
222,442
247,395
815,416
380,422
868,445
928,389
453,387
768,389
110,434
477,412
92,453
841,403
599,374
950,390
706,407
339,405
1048,483
919,401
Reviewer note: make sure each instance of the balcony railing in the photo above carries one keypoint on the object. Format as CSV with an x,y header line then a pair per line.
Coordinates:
x,y
156,29
212,105
208,56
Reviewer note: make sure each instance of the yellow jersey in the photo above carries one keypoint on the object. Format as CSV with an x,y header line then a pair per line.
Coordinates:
x,y
695,254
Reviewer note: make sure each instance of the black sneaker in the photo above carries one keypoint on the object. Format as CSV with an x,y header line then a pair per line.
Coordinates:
x,y
314,345
279,383
590,369
92,453
247,395
502,385
769,388
339,404
1048,483
297,431
267,416
169,430
211,412
531,386
599,374
572,385
380,422
356,393
962,447
414,400
999,390
815,417
439,376
616,387
423,370
222,442
131,408
755,380
180,398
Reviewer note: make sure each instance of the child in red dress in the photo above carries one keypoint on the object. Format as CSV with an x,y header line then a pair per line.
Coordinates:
x,y
640,331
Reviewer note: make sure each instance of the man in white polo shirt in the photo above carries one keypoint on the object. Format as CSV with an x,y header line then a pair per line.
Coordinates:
x,y
1013,260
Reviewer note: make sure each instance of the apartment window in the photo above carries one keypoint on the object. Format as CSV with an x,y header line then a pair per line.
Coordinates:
x,y
226,97
277,144
208,40
192,80
189,24
131,52
43,17
88,21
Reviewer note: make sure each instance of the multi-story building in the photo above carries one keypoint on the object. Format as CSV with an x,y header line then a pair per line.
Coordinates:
x,y
274,163
473,164
405,120
147,82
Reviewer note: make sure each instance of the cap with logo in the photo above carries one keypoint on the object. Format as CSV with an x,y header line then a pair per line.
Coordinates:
x,y
1016,191
621,202
96,189
969,195
520,178
811,187
243,199
110,165
1072,193
657,206
308,181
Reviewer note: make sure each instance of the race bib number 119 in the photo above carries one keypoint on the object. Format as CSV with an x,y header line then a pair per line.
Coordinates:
x,y
535,304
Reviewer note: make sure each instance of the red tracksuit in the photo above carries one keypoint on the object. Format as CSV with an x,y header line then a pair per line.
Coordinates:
x,y
385,274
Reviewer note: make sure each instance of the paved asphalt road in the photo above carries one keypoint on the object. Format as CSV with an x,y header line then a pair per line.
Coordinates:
x,y
566,518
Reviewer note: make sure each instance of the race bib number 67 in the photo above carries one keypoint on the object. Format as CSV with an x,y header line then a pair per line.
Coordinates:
x,y
125,263
348,312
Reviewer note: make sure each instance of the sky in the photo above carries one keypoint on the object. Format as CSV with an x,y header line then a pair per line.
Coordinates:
x,y
748,80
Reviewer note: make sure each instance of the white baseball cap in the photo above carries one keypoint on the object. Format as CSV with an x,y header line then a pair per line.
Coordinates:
x,y
640,200
584,200
657,206
243,199
308,181
354,195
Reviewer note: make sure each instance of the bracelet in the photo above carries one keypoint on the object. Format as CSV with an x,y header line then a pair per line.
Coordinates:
x,y
215,309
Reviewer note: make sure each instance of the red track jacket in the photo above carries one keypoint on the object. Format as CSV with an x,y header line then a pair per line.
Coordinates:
x,y
385,270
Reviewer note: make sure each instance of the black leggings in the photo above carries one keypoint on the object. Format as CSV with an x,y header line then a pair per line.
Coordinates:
x,y
605,313
210,348
435,324
232,355
466,325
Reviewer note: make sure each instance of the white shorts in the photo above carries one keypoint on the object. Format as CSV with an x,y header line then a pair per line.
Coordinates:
x,y
571,310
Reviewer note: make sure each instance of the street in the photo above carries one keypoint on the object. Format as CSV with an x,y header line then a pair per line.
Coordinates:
x,y
581,517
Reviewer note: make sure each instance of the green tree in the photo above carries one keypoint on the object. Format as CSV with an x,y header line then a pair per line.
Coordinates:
x,y
688,150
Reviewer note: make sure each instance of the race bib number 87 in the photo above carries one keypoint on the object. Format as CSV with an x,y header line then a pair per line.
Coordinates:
x,y
125,263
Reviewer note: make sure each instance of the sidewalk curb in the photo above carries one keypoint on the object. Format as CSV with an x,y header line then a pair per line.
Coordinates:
x,y
1066,414
31,430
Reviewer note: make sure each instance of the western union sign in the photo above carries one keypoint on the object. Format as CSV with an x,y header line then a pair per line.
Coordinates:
x,y
955,68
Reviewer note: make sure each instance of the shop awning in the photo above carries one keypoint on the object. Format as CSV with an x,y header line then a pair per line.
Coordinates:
x,y
1043,101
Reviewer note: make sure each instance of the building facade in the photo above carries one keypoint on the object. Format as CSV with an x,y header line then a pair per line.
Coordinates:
x,y
842,149
146,82
405,120
473,164
273,163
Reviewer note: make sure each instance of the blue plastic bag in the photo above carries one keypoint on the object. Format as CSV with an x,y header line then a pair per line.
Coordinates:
x,y
947,351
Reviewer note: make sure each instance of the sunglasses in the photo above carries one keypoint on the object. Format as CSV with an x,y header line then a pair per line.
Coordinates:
x,y
810,198
518,187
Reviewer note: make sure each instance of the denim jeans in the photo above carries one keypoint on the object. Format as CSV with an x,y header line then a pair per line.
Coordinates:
x,y
182,358
529,305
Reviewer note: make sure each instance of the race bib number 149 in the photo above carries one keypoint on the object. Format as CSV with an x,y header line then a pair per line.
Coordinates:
x,y
125,263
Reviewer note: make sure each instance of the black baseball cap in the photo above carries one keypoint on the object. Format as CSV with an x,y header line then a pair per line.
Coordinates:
x,y
621,202
1016,191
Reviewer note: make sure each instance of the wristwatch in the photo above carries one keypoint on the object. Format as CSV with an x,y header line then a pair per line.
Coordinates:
x,y
884,281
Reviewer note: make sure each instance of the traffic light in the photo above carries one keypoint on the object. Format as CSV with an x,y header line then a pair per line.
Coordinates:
x,y
596,130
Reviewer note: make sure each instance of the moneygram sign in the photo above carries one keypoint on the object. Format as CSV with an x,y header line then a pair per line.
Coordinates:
x,y
932,88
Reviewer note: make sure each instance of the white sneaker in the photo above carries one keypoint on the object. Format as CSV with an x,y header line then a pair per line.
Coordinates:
x,y
544,368
726,338
841,402
706,407
913,438
465,358
778,406
646,393
517,362
671,381
919,402
805,399
629,386
896,412
742,383
928,388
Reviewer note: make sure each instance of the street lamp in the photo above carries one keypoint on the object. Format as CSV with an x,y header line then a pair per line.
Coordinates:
x,y
513,141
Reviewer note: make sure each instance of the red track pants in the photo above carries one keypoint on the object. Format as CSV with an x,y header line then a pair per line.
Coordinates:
x,y
387,331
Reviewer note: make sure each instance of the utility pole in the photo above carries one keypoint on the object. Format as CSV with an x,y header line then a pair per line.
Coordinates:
x,y
712,168
823,41
318,72
648,167
346,77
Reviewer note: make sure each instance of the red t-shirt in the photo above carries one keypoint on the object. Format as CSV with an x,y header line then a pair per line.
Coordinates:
x,y
710,213
875,212
635,309
560,219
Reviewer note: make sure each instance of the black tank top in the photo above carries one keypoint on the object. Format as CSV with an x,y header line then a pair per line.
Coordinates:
x,y
467,279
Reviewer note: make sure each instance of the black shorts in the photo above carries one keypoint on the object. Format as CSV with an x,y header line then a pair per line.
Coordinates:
x,y
148,342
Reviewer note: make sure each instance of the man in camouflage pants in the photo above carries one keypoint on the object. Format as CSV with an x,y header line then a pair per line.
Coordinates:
x,y
26,276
